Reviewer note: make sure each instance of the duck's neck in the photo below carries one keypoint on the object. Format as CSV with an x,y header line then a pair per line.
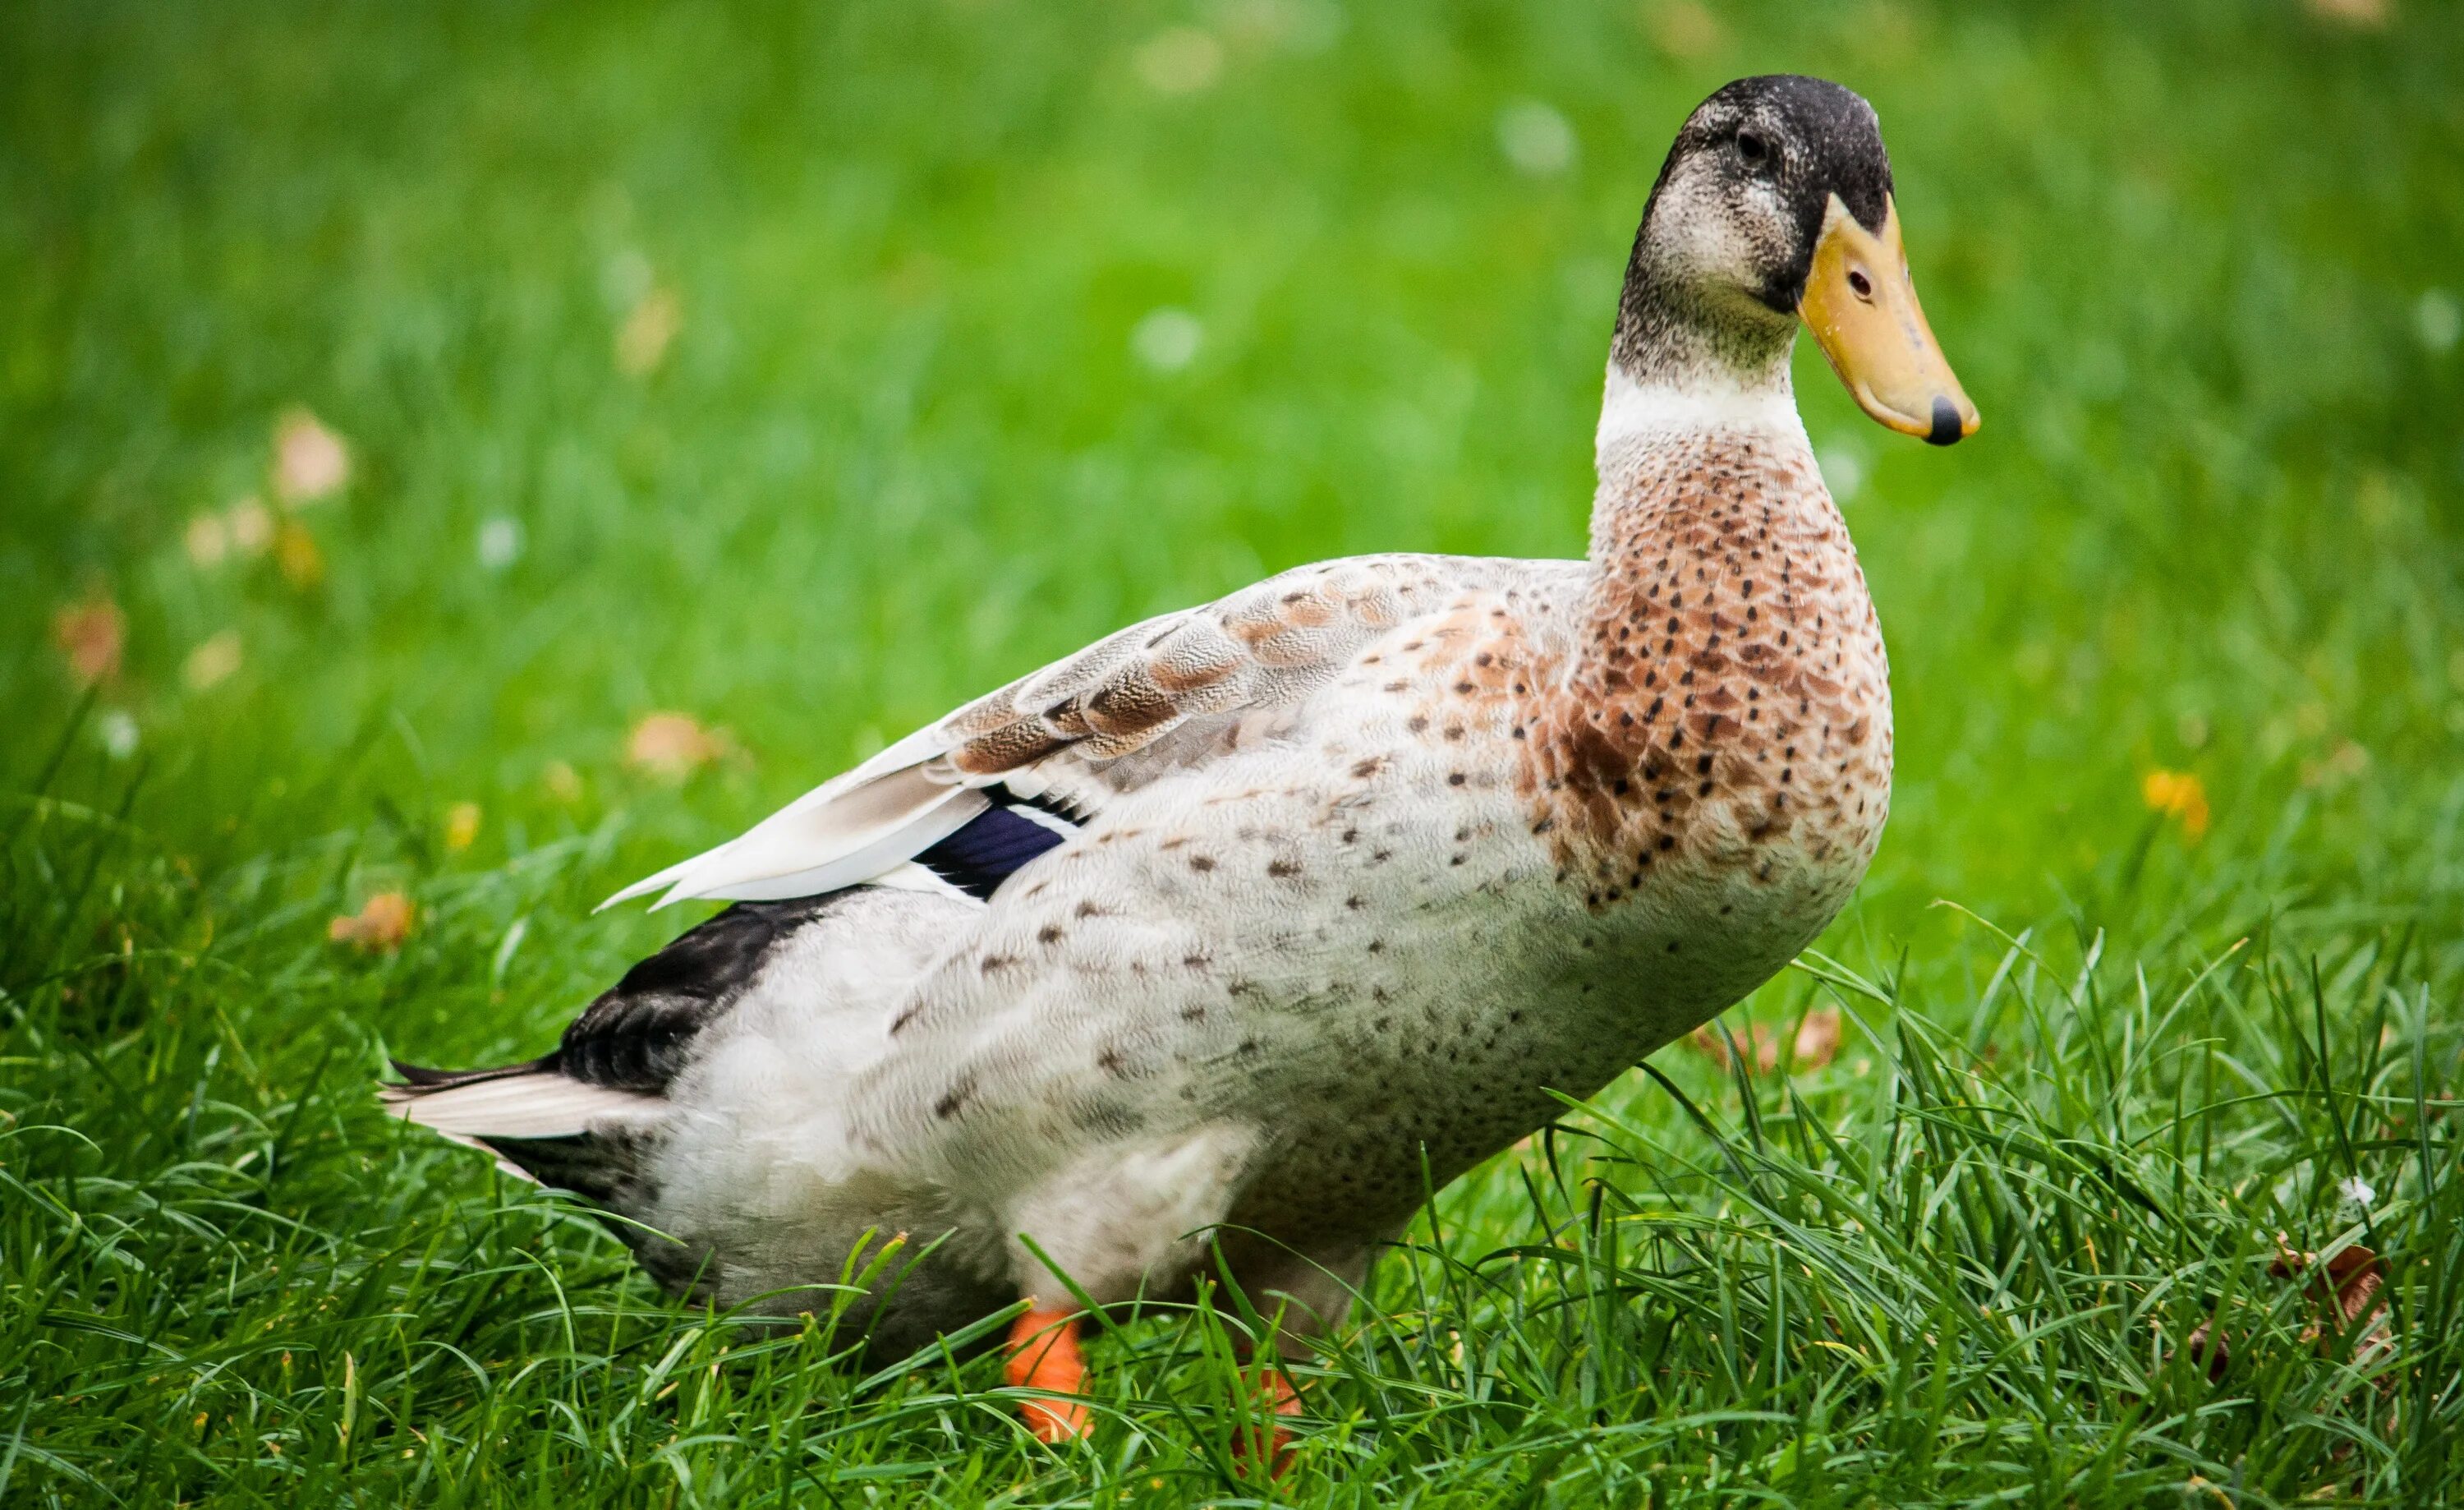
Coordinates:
x,y
1687,360
1642,419
1709,503
1677,445
1707,485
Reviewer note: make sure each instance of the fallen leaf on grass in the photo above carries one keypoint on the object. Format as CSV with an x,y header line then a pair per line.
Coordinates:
x,y
91,636
1760,1044
2209,1346
2353,1280
1815,1044
311,463
1818,1038
672,745
380,926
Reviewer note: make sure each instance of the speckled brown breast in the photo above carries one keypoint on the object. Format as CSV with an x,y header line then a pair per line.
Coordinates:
x,y
1701,747
1728,705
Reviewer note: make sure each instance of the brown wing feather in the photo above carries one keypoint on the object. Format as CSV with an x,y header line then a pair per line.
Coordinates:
x,y
1263,646
1160,695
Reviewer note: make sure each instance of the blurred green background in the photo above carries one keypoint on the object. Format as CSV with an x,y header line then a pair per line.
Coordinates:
x,y
399,406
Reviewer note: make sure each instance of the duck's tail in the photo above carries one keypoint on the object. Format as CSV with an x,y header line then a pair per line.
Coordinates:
x,y
532,1117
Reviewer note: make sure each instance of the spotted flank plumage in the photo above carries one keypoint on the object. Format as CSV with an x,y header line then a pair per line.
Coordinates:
x,y
1238,925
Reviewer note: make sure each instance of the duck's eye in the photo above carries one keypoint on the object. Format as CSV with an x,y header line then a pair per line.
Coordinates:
x,y
1753,147
1863,285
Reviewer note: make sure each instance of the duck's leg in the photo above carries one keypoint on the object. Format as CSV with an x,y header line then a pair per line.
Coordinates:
x,y
1044,1355
1095,1230
1273,1396
1315,1294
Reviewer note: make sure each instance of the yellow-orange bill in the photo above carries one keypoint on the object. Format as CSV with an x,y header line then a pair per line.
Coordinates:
x,y
1863,313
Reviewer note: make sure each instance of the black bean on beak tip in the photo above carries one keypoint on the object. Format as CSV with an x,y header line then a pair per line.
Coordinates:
x,y
1946,424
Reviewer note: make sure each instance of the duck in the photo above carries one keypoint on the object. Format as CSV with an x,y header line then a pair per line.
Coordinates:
x,y
1215,947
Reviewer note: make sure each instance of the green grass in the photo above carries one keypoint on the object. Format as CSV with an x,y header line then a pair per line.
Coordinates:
x,y
2187,258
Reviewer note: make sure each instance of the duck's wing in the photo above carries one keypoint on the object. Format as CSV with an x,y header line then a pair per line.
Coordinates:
x,y
1052,746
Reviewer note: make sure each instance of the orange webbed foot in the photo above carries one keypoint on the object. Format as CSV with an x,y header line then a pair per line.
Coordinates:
x,y
1265,1441
1044,1355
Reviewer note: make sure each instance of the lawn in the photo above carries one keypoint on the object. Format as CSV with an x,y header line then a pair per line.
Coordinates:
x,y
475,455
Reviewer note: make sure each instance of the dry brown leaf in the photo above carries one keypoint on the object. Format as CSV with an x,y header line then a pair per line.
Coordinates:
x,y
1761,1042
311,463
2353,1280
380,926
1818,1038
91,636
1816,1043
2208,1346
672,745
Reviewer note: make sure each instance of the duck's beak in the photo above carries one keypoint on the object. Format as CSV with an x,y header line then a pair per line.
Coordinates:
x,y
1863,313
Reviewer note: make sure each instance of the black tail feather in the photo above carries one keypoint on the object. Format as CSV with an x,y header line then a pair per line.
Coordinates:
x,y
417,1079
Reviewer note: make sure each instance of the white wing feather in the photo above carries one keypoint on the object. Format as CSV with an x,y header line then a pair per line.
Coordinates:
x,y
877,805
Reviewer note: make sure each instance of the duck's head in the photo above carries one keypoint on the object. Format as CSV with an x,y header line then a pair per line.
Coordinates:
x,y
1775,206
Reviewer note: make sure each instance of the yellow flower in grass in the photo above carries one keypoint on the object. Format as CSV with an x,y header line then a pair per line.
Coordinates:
x,y
295,553
2178,795
461,826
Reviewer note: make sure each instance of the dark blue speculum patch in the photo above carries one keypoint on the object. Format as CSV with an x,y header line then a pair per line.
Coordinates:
x,y
988,851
